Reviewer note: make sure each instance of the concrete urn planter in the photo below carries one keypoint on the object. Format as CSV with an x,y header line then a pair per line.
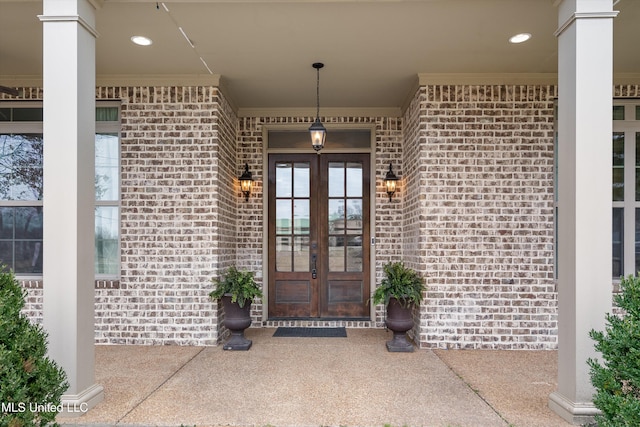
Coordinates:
x,y
236,319
399,320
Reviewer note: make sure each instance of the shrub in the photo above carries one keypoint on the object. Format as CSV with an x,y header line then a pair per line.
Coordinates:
x,y
617,380
28,378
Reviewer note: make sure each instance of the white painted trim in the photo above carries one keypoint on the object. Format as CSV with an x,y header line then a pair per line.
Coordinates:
x,y
584,15
70,18
75,405
626,78
265,198
574,413
325,112
158,80
97,4
425,79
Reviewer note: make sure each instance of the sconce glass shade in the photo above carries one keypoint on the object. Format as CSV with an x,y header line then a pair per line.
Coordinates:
x,y
390,182
318,134
246,181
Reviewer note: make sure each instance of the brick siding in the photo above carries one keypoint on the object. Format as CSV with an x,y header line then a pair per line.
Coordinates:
x,y
479,222
473,213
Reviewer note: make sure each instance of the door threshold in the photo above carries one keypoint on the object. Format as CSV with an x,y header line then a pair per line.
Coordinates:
x,y
316,322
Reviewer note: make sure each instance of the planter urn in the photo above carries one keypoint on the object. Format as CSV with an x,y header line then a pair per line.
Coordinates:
x,y
399,320
236,319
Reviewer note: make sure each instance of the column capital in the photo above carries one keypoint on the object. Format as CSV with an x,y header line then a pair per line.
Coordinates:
x,y
584,15
70,18
71,11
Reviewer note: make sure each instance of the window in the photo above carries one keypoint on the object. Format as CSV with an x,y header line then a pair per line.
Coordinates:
x,y
107,226
626,188
21,189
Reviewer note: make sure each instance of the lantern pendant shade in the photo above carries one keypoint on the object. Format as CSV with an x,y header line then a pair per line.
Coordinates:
x,y
390,182
317,130
246,180
318,134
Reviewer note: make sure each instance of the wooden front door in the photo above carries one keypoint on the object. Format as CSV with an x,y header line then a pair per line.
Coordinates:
x,y
319,241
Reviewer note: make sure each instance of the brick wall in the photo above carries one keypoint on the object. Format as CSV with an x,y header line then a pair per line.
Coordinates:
x,y
482,216
177,210
414,225
474,204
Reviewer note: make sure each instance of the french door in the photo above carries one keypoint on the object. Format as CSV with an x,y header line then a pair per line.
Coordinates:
x,y
319,242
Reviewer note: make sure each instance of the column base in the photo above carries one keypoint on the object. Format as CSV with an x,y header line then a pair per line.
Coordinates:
x,y
575,413
75,405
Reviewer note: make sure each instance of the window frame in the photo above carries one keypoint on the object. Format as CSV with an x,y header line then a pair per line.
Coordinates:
x,y
101,127
630,126
112,127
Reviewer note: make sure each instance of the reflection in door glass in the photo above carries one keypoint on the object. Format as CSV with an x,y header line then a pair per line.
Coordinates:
x,y
283,254
354,215
354,180
301,216
336,253
345,216
301,253
292,216
336,179
283,180
354,253
283,216
336,216
301,179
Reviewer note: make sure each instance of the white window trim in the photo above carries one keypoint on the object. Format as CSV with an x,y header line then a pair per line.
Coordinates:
x,y
629,126
113,127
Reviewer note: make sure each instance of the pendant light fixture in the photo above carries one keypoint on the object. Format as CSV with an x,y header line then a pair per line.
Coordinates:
x,y
317,130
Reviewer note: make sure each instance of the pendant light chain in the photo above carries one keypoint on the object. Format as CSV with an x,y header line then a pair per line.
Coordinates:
x,y
318,93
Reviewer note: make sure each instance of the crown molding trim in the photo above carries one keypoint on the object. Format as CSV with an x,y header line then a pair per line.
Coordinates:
x,y
426,79
158,80
324,112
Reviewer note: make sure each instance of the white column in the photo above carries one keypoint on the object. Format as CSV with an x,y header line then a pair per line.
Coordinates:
x,y
585,81
69,194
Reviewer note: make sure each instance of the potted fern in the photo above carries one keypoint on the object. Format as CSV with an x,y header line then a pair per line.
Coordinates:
x,y
400,290
236,289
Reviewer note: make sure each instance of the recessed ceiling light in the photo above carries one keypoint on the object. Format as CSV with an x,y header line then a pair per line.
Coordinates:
x,y
141,40
519,38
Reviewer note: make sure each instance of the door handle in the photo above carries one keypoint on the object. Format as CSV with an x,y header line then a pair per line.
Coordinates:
x,y
314,271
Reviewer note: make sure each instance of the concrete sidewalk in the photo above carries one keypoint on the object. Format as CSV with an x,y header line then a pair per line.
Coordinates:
x,y
349,381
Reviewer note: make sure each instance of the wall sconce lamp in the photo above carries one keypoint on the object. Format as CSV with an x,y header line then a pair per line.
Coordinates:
x,y
317,130
246,180
390,181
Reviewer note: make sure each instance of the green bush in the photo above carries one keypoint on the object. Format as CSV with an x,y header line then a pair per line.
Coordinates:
x,y
400,282
239,284
617,380
29,380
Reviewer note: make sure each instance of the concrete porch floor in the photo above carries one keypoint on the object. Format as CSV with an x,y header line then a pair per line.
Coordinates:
x,y
349,381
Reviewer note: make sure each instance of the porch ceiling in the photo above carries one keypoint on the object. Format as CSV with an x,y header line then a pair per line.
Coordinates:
x,y
262,50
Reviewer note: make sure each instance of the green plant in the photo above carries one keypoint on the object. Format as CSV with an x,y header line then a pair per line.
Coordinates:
x,y
400,282
239,284
30,383
617,380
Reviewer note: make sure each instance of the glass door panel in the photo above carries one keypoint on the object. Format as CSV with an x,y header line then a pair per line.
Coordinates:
x,y
292,216
318,227
345,216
